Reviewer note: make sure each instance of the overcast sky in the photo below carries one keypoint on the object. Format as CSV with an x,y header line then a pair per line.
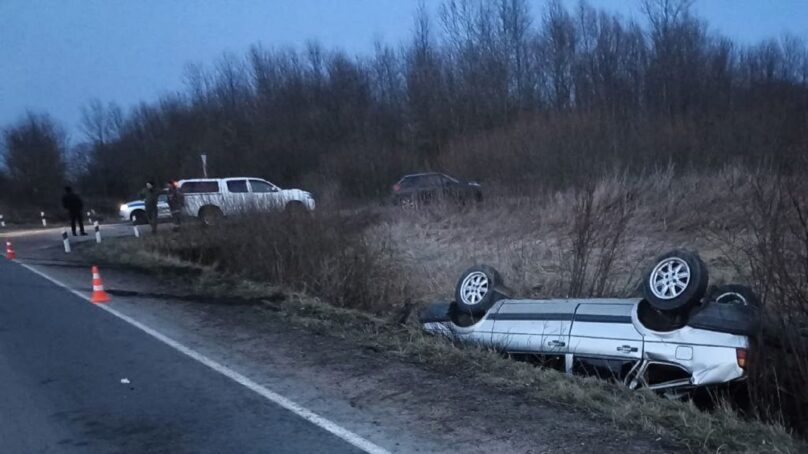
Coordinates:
x,y
56,55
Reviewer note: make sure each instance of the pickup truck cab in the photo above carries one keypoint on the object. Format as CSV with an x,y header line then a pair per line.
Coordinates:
x,y
211,198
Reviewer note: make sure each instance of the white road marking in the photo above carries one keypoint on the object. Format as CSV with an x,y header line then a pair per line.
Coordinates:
x,y
268,394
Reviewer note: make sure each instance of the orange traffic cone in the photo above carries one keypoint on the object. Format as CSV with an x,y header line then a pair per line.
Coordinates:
x,y
99,295
10,251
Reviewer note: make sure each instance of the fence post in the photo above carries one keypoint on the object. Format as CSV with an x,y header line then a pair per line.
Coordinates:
x,y
65,241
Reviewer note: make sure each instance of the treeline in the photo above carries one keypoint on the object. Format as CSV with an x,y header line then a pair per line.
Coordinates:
x,y
484,88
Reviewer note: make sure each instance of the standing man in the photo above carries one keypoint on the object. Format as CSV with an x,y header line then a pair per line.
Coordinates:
x,y
149,195
176,200
74,206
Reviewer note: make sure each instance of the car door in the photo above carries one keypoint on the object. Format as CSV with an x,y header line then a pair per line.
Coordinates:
x,y
533,326
450,188
267,196
163,210
429,188
604,329
237,198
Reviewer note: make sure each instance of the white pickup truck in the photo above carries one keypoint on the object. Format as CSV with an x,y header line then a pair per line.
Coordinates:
x,y
211,198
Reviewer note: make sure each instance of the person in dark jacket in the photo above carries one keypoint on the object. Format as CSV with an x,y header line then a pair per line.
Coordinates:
x,y
149,195
74,206
176,200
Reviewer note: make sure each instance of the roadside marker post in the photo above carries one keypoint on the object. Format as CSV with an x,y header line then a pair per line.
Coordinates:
x,y
10,251
90,217
44,222
65,241
2,221
137,231
97,232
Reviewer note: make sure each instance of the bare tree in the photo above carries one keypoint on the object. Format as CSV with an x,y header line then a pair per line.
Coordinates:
x,y
35,161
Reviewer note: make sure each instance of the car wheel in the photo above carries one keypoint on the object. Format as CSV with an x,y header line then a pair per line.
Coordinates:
x,y
295,207
734,294
210,215
407,203
677,280
478,288
138,218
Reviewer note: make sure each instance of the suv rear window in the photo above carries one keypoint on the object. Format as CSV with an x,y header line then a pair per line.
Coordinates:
x,y
199,187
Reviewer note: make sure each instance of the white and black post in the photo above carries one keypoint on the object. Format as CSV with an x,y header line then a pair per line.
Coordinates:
x,y
44,222
136,230
90,217
66,241
97,232
2,221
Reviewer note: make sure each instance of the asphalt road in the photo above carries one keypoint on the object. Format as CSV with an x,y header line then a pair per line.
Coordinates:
x,y
74,378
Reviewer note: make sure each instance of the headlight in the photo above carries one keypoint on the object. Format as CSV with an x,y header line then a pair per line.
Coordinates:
x,y
124,207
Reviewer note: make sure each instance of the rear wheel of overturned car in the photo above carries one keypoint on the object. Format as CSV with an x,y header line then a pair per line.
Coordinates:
x,y
677,281
478,288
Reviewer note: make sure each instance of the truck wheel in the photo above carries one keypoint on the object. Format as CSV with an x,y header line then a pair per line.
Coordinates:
x,y
295,207
478,288
210,215
677,281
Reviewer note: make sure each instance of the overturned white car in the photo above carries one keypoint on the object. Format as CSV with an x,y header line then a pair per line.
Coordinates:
x,y
678,336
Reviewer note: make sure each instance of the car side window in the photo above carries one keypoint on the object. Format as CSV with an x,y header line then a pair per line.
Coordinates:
x,y
199,187
237,186
262,186
434,181
447,180
408,182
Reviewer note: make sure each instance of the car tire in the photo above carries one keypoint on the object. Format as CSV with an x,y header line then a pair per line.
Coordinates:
x,y
478,288
734,294
139,218
407,203
295,207
677,281
210,215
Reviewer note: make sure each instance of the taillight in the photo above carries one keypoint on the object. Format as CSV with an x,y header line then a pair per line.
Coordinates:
x,y
396,187
740,355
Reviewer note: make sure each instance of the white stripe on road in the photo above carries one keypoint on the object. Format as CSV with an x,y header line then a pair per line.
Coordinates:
x,y
272,396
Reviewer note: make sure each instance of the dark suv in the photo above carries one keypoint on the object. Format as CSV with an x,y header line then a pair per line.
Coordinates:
x,y
421,188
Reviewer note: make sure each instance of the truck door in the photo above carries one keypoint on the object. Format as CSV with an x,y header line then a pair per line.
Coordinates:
x,y
236,198
267,196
